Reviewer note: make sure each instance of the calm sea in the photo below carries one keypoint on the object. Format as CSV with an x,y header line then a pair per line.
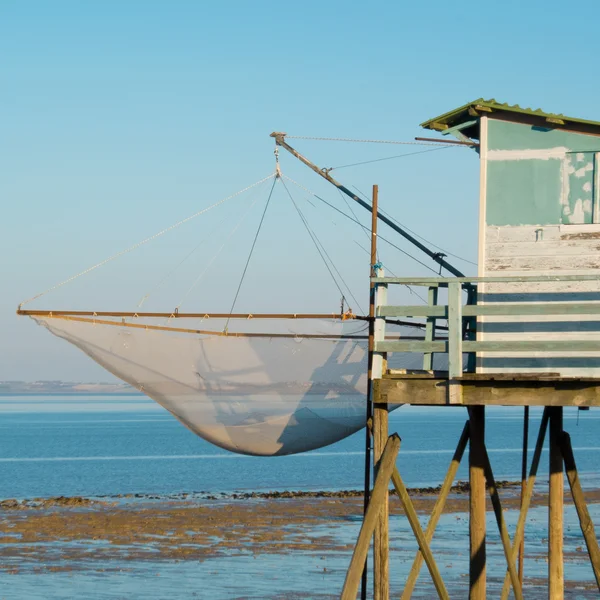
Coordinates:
x,y
108,445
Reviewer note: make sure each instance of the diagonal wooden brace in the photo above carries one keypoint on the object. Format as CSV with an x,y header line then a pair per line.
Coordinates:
x,y
380,488
585,521
413,519
510,561
437,511
520,530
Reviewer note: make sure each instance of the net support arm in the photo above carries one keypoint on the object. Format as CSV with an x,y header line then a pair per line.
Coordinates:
x,y
435,256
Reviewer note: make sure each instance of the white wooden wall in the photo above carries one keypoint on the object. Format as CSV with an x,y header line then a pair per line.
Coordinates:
x,y
541,250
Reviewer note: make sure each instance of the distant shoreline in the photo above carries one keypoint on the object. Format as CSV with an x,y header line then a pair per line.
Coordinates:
x,y
70,393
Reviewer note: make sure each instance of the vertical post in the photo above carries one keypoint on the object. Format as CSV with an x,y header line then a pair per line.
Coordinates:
x,y
381,586
556,582
432,298
369,416
477,499
523,485
455,330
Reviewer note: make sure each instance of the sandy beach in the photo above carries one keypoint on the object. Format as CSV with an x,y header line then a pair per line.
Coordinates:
x,y
315,530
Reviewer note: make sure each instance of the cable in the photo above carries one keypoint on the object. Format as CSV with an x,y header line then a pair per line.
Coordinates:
x,y
412,292
165,277
366,162
145,241
317,242
389,216
427,241
327,139
217,253
363,226
251,251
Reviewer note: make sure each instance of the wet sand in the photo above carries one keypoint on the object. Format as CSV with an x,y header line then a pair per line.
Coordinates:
x,y
80,534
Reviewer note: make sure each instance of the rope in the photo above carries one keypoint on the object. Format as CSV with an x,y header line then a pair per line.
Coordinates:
x,y
251,251
389,216
367,162
205,239
145,241
328,139
428,241
217,253
318,243
363,226
388,270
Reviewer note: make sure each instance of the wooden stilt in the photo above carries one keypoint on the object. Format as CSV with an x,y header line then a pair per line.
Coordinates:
x,y
523,484
585,521
379,494
555,508
526,500
413,519
437,511
381,586
477,567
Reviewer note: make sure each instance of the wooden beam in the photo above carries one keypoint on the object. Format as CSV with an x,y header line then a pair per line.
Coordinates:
x,y
585,521
492,392
380,491
438,509
448,142
526,499
180,315
556,582
413,519
95,321
477,552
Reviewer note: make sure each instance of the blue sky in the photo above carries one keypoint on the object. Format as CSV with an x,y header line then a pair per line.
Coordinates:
x,y
120,118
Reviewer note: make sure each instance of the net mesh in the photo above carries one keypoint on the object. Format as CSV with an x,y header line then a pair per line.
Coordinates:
x,y
262,396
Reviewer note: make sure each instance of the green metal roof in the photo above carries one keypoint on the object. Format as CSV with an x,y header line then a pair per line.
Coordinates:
x,y
481,107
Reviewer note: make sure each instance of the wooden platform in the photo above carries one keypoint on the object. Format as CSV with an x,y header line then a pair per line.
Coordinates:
x,y
493,389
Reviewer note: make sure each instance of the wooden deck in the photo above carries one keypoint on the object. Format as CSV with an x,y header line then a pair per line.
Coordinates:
x,y
486,389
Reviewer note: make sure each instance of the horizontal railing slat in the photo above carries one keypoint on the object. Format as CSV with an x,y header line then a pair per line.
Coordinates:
x,y
497,310
444,281
492,346
533,346
419,310
411,346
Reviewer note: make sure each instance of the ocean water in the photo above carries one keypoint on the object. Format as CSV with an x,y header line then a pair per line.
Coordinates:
x,y
109,445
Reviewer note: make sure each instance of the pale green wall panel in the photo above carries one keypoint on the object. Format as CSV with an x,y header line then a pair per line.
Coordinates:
x,y
524,192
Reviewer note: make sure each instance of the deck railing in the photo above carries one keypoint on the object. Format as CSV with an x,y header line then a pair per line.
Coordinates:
x,y
462,319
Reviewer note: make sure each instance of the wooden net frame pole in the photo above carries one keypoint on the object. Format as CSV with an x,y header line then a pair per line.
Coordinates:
x,y
369,415
381,583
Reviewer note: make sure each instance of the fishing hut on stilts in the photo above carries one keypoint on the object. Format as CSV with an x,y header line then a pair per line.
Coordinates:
x,y
524,332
